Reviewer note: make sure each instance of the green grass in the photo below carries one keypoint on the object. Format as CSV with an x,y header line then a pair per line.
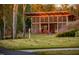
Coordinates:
x,y
58,52
40,41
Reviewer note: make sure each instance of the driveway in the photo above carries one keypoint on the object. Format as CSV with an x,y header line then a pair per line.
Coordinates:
x,y
12,52
30,52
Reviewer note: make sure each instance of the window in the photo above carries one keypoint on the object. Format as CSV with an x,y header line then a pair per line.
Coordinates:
x,y
35,19
55,19
64,18
60,19
46,19
42,19
71,18
35,28
51,19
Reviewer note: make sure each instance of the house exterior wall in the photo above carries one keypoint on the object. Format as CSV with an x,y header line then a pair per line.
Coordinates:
x,y
47,23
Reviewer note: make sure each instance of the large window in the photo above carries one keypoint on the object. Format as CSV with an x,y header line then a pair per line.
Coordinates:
x,y
71,18
42,19
35,19
51,19
64,18
46,19
35,28
55,19
60,19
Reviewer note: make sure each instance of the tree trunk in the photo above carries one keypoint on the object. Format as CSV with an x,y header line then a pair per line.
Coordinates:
x,y
15,8
24,6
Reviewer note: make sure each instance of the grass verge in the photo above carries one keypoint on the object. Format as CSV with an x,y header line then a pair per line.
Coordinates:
x,y
40,41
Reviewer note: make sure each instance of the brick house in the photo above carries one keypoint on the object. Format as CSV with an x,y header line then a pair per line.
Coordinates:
x,y
49,22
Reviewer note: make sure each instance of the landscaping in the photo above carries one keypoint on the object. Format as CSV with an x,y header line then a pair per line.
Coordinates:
x,y
40,41
71,33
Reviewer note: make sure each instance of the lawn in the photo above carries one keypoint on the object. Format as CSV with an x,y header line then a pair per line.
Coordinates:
x,y
59,52
40,41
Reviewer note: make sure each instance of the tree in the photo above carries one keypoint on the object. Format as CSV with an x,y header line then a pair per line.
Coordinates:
x,y
48,7
24,7
7,19
28,20
1,21
20,18
15,8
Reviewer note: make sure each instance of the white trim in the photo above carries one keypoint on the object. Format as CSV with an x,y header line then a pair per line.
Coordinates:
x,y
48,25
40,24
66,20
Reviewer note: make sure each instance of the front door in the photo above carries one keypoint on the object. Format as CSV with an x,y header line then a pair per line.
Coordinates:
x,y
44,28
53,27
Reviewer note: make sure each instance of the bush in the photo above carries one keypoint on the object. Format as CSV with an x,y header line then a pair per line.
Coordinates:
x,y
70,33
77,34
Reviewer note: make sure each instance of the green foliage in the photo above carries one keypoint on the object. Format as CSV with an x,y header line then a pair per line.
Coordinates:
x,y
1,24
28,23
42,7
67,34
1,29
77,33
48,7
19,18
7,11
28,8
28,19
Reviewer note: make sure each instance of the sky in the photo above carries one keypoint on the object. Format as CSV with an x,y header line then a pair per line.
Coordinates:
x,y
39,1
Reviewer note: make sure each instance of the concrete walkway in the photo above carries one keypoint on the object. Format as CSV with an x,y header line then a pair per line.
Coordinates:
x,y
52,49
30,52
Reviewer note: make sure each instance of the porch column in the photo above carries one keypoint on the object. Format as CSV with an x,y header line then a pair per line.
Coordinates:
x,y
40,24
62,21
66,20
48,26
57,23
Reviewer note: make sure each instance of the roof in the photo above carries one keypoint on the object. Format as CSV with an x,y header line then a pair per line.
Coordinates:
x,y
54,13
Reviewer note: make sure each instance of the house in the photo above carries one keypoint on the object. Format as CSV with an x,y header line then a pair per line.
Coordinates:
x,y
49,22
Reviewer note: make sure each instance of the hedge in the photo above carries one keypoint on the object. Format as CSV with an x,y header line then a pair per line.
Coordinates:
x,y
70,33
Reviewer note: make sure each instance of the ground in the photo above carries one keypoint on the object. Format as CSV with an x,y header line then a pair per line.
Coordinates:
x,y
59,52
40,42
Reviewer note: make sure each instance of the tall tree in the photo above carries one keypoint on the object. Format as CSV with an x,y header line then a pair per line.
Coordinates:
x,y
1,21
28,20
7,16
19,18
15,8
48,7
23,18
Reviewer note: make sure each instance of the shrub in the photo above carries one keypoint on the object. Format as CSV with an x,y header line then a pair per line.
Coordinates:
x,y
77,34
70,33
